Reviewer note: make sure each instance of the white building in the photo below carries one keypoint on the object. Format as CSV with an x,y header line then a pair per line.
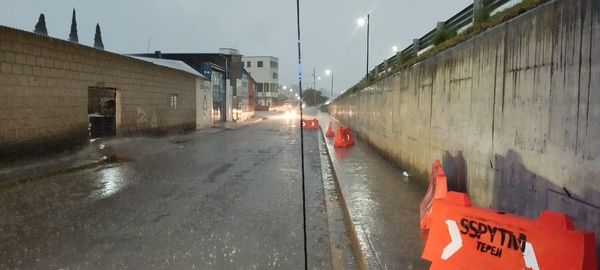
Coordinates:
x,y
265,71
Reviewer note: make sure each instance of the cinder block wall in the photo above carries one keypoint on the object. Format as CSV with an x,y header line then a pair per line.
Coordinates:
x,y
44,86
513,114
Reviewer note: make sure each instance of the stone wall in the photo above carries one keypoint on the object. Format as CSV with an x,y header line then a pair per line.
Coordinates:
x,y
44,86
513,114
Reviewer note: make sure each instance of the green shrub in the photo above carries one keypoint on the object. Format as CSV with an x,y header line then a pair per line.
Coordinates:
x,y
443,34
406,56
482,15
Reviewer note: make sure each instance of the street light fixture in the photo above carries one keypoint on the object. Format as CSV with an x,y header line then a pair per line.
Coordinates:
x,y
362,22
395,49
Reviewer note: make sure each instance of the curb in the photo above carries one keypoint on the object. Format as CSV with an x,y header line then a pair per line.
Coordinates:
x,y
356,247
236,125
87,165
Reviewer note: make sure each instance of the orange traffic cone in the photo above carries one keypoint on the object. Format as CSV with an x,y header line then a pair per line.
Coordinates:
x,y
349,137
330,133
343,138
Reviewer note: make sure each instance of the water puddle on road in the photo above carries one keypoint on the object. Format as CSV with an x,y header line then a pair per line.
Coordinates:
x,y
110,181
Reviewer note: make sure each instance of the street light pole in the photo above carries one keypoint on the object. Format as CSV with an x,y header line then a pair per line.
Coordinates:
x,y
332,84
225,113
361,22
368,38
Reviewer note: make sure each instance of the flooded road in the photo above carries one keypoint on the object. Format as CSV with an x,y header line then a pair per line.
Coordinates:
x,y
383,203
229,200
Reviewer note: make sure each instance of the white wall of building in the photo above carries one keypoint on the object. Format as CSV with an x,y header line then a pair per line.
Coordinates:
x,y
204,104
267,74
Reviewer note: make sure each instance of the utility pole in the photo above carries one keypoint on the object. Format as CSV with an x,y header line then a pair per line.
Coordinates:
x,y
225,113
314,86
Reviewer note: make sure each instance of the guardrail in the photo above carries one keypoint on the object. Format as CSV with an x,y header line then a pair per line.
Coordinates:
x,y
456,22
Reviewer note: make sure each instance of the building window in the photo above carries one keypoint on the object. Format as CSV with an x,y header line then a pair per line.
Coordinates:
x,y
249,64
275,75
265,87
259,64
274,64
259,87
274,87
174,102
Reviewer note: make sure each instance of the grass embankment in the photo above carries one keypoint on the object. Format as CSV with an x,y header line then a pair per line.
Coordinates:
x,y
478,28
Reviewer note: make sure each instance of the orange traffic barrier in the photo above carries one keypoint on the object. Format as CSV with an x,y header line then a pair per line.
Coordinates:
x,y
459,236
343,138
330,133
310,124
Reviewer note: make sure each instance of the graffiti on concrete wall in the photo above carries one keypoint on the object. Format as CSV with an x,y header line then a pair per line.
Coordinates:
x,y
144,119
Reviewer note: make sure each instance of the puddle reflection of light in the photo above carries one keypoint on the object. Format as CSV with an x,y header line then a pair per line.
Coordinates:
x,y
110,182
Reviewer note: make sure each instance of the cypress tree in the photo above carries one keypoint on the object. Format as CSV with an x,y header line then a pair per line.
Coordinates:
x,y
40,27
73,37
98,38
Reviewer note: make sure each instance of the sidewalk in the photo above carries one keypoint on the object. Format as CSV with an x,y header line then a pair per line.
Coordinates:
x,y
101,151
382,203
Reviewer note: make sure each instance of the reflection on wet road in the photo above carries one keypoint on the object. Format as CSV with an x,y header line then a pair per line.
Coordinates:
x,y
230,200
111,181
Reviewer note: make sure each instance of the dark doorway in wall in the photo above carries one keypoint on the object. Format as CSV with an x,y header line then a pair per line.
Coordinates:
x,y
102,111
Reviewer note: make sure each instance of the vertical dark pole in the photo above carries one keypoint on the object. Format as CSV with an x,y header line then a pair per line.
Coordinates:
x,y
301,137
314,86
368,30
332,84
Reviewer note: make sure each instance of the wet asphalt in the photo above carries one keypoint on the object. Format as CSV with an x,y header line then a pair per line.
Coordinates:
x,y
228,200
383,204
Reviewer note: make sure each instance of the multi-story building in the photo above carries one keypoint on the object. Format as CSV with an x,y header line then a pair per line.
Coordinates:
x,y
265,71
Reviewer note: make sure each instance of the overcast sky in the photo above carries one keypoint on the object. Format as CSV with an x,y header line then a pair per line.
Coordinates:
x,y
330,36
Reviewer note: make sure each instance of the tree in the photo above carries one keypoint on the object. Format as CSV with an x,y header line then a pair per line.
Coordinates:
x,y
313,98
98,38
40,27
73,37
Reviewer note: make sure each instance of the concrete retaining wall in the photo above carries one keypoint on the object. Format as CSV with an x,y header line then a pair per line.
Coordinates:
x,y
44,92
513,114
